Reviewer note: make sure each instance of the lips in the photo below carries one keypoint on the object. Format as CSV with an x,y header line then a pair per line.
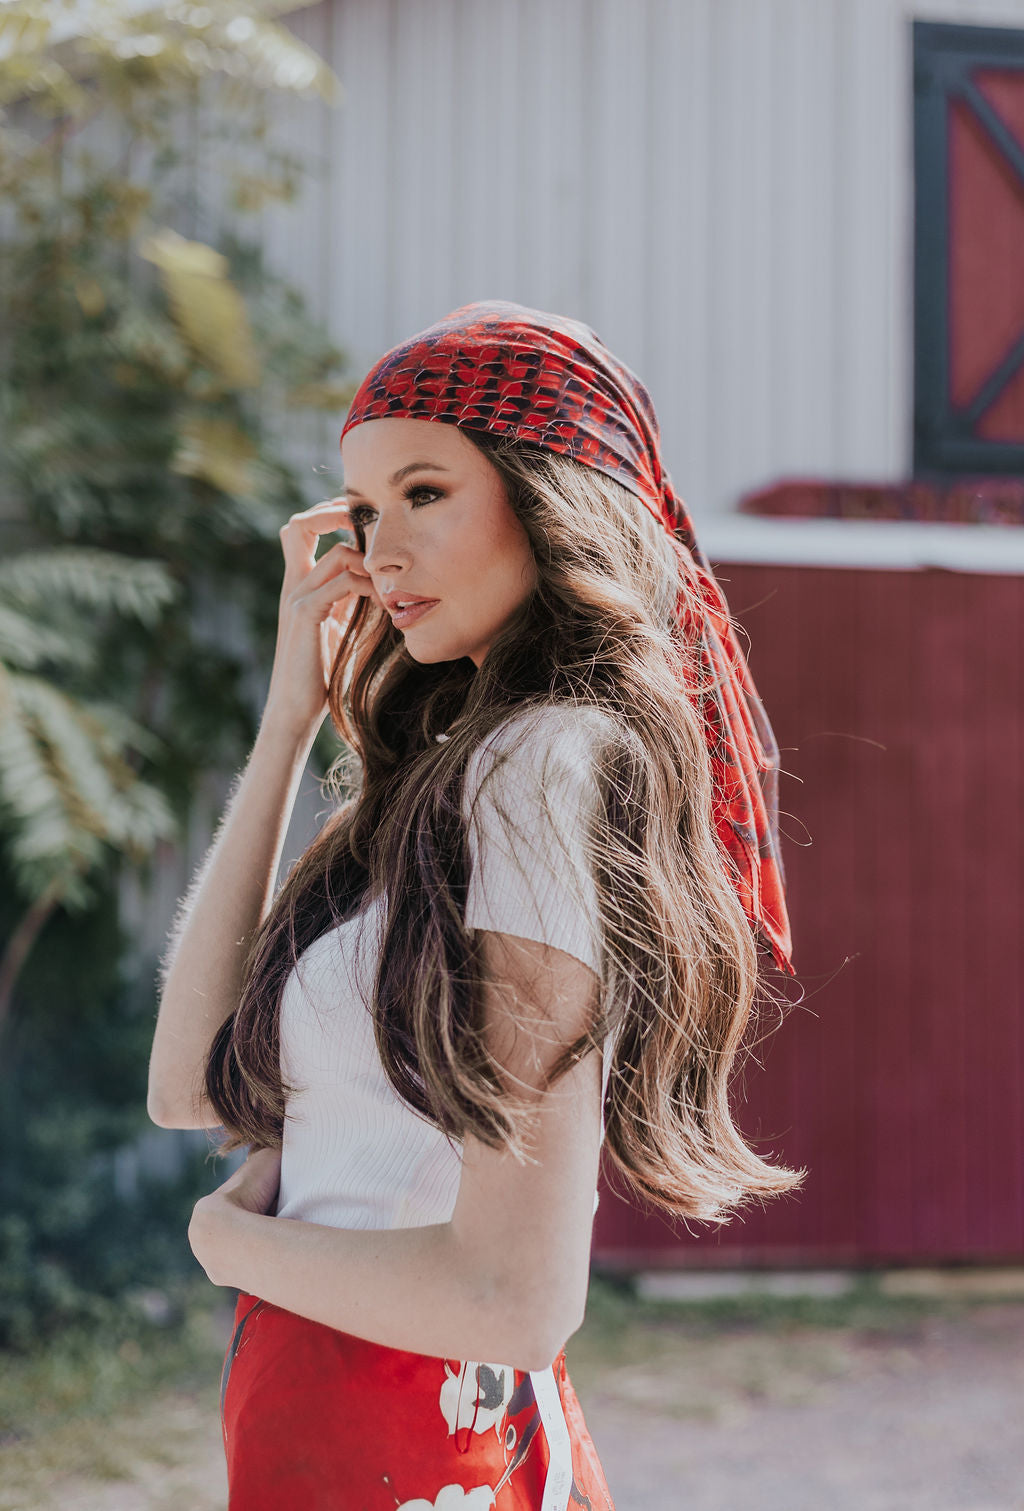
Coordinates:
x,y
416,610
408,604
392,599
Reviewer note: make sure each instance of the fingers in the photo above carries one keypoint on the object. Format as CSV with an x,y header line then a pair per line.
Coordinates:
x,y
320,579
336,577
327,506
340,557
300,535
319,519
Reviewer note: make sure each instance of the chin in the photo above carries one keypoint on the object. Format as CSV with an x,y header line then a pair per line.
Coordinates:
x,y
429,655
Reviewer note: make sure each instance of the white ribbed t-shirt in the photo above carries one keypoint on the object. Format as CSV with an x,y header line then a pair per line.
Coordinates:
x,y
355,1155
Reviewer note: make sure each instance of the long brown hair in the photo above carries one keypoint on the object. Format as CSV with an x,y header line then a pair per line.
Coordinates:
x,y
681,968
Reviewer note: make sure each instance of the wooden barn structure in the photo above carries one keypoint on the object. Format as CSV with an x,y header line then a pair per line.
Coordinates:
x,y
802,222
894,671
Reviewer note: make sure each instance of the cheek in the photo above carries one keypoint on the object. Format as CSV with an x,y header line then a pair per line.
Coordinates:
x,y
486,562
502,577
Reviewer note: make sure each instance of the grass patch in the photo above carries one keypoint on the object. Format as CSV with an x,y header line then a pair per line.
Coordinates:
x,y
614,1308
90,1371
717,1358
127,1414
89,1403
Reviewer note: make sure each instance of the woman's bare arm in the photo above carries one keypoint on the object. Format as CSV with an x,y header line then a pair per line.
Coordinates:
x,y
505,1279
201,968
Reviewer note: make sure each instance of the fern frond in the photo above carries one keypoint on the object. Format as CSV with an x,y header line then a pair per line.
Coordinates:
x,y
90,578
27,642
42,836
66,784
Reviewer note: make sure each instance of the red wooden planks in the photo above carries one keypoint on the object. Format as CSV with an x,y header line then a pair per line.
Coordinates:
x,y
898,702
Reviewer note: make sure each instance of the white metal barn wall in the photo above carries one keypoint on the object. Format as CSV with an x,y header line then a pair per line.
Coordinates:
x,y
722,188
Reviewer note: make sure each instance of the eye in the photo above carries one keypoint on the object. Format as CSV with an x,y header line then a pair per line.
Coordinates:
x,y
359,514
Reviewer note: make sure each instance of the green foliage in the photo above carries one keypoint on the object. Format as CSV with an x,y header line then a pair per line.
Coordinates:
x,y
146,380
128,50
143,379
93,1402
74,1089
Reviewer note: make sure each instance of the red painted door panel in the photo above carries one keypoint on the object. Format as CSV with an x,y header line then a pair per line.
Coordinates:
x,y
898,702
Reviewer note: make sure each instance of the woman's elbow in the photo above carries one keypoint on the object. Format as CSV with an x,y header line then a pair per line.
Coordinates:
x,y
543,1336
527,1309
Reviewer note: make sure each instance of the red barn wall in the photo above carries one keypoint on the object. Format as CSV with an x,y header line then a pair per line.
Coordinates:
x,y
898,701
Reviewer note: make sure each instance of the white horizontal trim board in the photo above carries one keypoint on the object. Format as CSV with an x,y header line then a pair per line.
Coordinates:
x,y
881,543
711,1285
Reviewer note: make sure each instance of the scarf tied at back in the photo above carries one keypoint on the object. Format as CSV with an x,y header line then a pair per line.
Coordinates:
x,y
546,378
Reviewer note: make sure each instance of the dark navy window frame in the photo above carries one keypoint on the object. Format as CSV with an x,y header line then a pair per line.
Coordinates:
x,y
944,57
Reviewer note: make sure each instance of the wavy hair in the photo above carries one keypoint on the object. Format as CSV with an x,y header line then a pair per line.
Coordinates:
x,y
680,969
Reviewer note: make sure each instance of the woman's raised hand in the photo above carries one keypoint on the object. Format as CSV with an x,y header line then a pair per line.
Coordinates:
x,y
317,601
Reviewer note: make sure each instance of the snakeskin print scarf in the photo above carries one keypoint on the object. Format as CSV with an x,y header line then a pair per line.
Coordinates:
x,y
549,379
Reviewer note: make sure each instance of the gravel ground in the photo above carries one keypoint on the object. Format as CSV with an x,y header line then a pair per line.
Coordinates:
x,y
782,1410
932,1421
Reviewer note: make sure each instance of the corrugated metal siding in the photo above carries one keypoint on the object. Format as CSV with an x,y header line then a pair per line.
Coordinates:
x,y
722,188
898,702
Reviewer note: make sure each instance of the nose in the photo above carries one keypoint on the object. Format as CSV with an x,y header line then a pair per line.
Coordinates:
x,y
385,547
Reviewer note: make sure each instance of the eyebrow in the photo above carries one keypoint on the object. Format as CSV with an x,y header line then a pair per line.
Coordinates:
x,y
397,477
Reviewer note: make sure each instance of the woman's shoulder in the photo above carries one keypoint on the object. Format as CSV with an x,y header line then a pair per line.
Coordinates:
x,y
528,811
559,728
541,741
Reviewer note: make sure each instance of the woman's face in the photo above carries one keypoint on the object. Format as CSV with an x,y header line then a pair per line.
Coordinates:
x,y
438,524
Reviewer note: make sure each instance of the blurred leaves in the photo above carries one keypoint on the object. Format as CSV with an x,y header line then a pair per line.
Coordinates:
x,y
208,309
145,376
74,1235
47,47
68,786
136,71
151,364
216,450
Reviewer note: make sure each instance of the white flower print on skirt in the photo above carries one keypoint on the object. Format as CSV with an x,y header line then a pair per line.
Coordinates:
x,y
454,1498
315,1418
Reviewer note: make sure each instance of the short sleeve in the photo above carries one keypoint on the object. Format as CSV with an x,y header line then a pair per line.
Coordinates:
x,y
531,792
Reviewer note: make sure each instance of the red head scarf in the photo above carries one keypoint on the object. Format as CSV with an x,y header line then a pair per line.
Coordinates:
x,y
551,380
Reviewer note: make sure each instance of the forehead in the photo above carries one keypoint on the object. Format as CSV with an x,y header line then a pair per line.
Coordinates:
x,y
379,446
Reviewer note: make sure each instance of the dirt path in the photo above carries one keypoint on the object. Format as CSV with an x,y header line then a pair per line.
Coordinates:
x,y
923,1417
931,1422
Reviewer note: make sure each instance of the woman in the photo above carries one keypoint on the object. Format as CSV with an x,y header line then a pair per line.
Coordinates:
x,y
532,929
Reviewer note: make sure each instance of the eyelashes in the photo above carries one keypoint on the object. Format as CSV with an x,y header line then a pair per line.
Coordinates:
x,y
359,514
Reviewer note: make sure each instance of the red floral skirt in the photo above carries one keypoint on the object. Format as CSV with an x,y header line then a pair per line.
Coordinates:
x,y
315,1419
